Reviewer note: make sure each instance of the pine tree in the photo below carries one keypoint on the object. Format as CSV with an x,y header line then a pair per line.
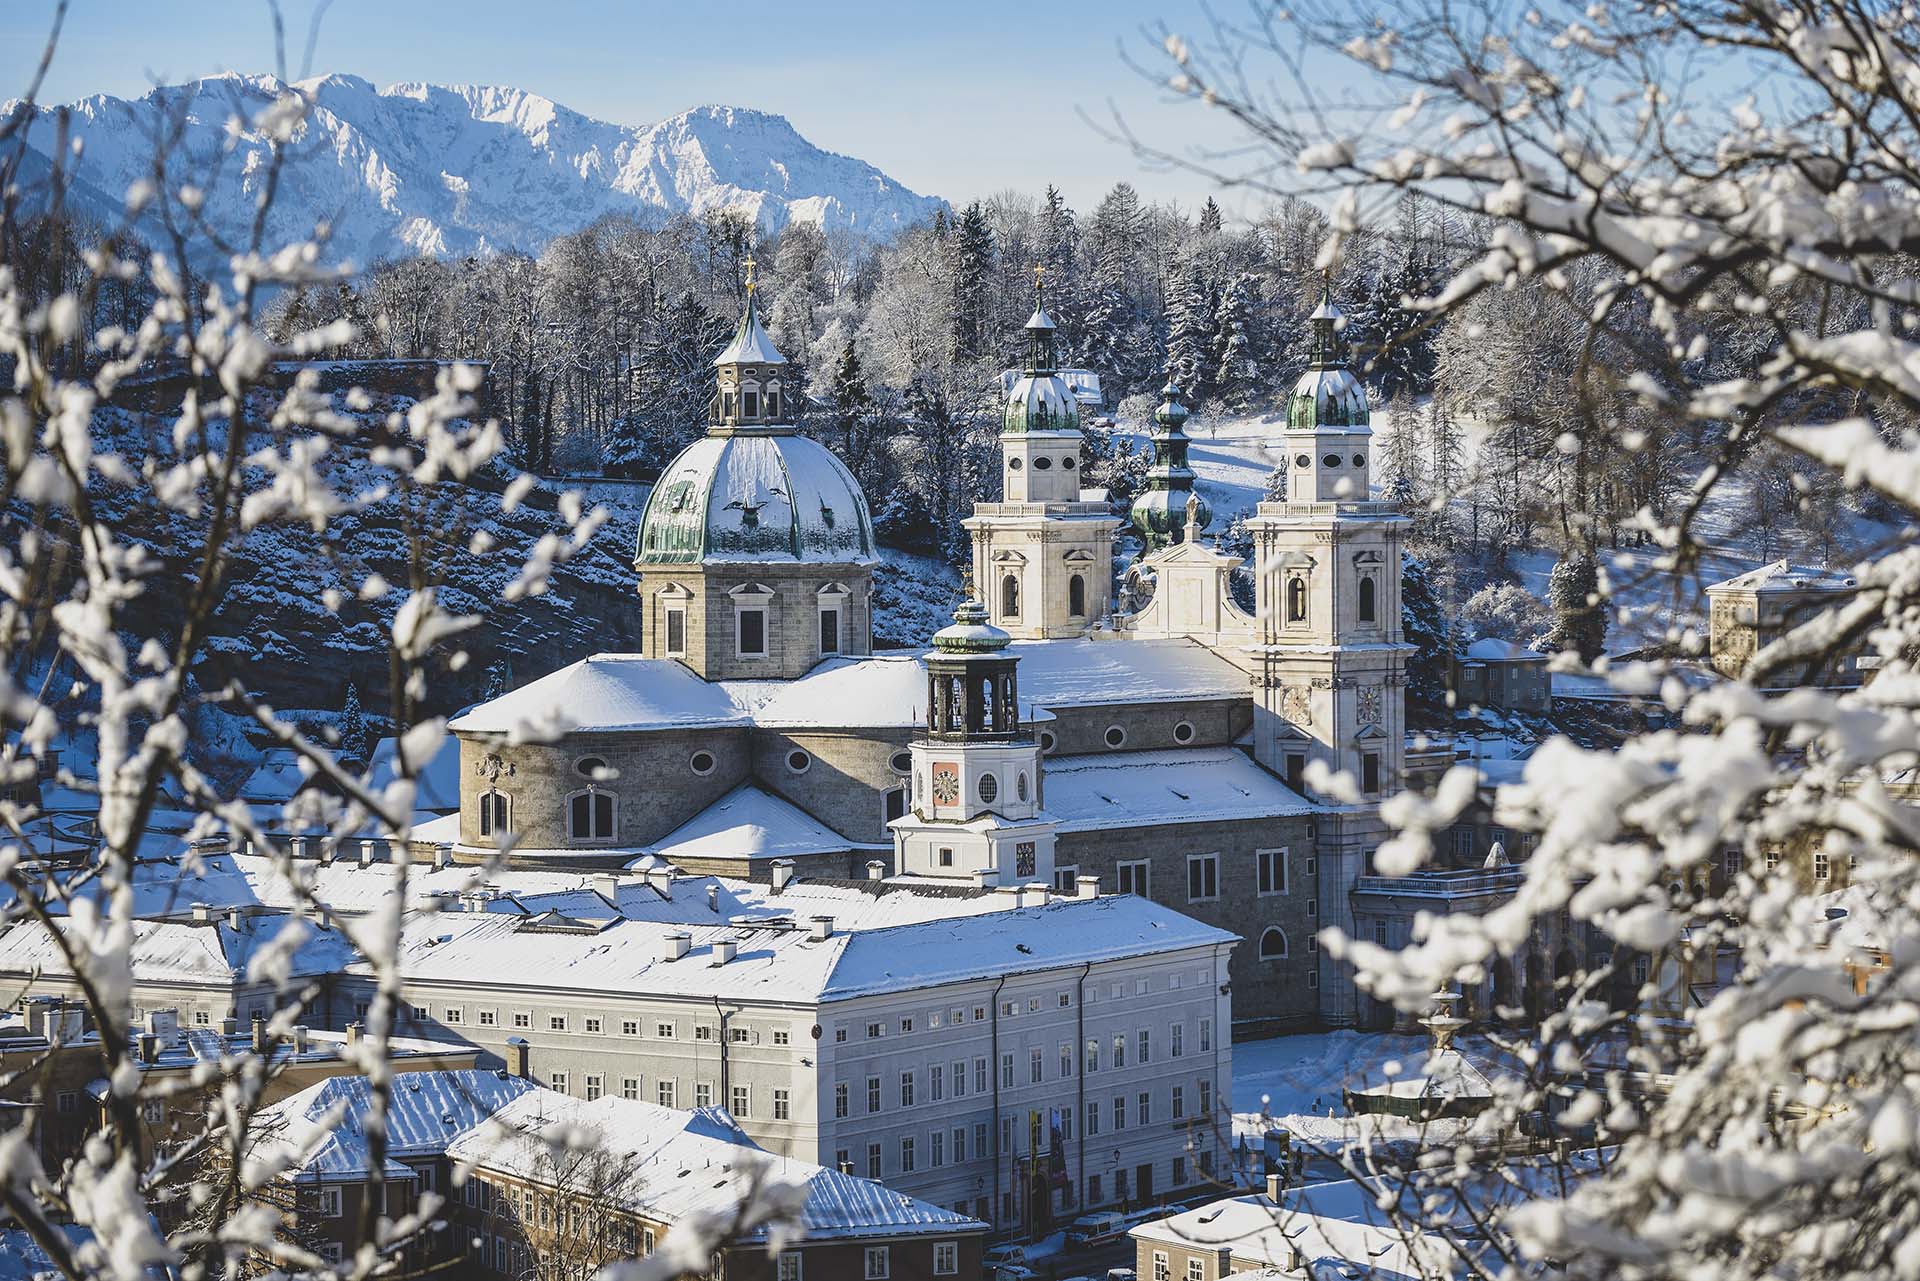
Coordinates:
x,y
353,728
1190,338
1210,218
848,403
1401,459
1423,623
1059,252
1579,615
972,262
1236,370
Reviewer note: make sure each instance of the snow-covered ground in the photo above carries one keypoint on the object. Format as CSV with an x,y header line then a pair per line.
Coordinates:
x,y
1305,1072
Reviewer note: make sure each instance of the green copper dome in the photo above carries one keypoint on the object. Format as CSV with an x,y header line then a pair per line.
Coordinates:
x,y
1168,510
1327,395
1040,399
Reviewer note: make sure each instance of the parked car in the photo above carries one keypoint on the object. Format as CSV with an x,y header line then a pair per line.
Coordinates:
x,y
1013,1272
1000,1257
1122,1274
1098,1228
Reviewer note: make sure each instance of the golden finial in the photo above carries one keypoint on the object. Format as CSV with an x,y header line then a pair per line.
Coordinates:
x,y
1039,280
749,275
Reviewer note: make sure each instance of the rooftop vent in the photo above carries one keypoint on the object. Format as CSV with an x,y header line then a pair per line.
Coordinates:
x,y
723,951
675,945
822,929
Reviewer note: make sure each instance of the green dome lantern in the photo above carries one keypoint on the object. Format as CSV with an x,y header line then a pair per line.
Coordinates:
x,y
1040,399
1168,510
1327,395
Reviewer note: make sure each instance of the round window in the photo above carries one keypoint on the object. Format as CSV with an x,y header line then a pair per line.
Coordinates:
x,y
798,761
1183,733
1067,463
900,762
1115,736
701,763
989,788
1331,460
1013,464
590,767
1046,741
1359,460
1020,786
1303,461
1041,464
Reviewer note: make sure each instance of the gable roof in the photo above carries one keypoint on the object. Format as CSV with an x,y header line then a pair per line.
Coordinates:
x,y
604,692
1137,789
748,823
1783,576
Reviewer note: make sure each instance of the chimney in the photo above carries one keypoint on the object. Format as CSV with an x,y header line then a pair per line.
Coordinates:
x,y
713,896
353,1033
328,851
67,1025
442,855
607,885
822,929
233,919
782,874
202,914
985,878
876,870
1276,1187
674,945
299,846
723,951
1086,886
366,853
517,1053
149,1048
661,879
165,1025
1035,895
38,1007
259,1035
300,1038
229,1028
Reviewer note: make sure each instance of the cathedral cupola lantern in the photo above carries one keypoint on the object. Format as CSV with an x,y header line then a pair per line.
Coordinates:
x,y
750,375
1169,510
1328,437
972,690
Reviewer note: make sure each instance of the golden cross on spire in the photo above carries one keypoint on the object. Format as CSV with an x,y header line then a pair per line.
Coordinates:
x,y
1039,277
749,275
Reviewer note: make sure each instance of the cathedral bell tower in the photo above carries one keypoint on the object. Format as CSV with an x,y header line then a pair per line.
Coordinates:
x,y
976,771
1330,656
1043,555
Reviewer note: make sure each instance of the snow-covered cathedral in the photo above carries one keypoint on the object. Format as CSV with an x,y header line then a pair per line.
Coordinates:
x,y
1151,739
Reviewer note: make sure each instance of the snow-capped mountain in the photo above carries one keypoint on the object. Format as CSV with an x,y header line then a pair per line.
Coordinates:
x,y
457,169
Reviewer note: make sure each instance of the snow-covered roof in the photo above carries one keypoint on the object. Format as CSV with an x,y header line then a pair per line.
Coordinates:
x,y
436,781
761,496
1138,789
1493,649
277,779
323,1126
751,344
604,692
782,963
887,692
646,1154
187,952
748,823
1323,1224
1783,576
1080,672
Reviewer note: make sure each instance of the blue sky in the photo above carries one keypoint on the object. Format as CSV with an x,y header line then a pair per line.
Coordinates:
x,y
953,99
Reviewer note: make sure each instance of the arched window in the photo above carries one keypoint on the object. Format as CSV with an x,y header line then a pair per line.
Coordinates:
x,y
1366,600
1010,596
494,813
1296,600
1273,944
590,815
1077,596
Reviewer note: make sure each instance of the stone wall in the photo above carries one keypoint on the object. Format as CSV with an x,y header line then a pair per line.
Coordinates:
x,y
793,615
847,775
1149,727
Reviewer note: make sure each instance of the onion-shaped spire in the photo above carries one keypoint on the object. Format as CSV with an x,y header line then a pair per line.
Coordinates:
x,y
1169,510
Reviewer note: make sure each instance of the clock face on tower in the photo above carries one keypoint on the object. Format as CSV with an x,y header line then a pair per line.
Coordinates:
x,y
946,783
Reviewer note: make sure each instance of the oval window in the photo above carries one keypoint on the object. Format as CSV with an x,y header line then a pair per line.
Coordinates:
x,y
590,767
989,788
1041,464
1046,741
1013,464
701,763
900,762
1303,461
798,761
1359,460
1183,733
1331,460
1115,736
1020,786
1067,463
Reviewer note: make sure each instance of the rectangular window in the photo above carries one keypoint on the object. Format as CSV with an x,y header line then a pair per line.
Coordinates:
x,y
1179,1103
1206,1036
840,1100
873,1094
703,1031
936,1083
676,631
1174,1038
980,1076
1066,1059
876,1030
329,1203
1093,1118
741,1102
737,1035
946,1258
453,1014
879,1263
630,1087
937,1149
788,1267
489,1018
1203,877
1370,772
1297,771
1119,1112
829,631
906,1156
1196,1271
664,1031
1143,1047
1271,869
557,1082
980,1141
1037,1066
596,1086
556,1022
1822,867
873,1160
960,1079
1093,1189
1206,1097
629,1027
1162,1269
782,1037
752,622
906,1089
1143,1108
663,1092
1120,1050
1093,1056
703,1094
1006,1071
1134,877
959,1144
595,1025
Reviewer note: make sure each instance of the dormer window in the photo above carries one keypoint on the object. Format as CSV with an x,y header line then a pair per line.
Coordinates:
x,y
726,404
751,400
773,402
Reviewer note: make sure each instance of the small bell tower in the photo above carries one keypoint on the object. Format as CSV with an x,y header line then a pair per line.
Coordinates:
x,y
975,803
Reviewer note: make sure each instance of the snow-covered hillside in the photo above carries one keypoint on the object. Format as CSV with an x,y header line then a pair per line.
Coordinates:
x,y
448,170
